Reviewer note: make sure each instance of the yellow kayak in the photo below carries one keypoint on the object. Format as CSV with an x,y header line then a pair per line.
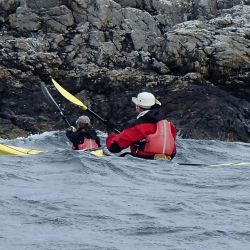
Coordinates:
x,y
12,150
96,152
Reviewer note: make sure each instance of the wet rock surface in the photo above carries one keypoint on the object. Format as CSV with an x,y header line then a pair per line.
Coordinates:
x,y
193,55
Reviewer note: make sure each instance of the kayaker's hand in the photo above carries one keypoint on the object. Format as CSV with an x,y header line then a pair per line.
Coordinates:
x,y
140,145
71,129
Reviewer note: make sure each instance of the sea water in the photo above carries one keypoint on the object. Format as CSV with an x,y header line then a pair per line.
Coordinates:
x,y
63,199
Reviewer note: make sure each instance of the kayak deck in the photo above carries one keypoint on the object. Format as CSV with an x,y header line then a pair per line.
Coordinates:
x,y
13,150
97,152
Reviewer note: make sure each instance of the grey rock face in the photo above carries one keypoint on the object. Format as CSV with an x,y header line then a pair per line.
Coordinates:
x,y
39,4
193,54
210,47
25,20
7,7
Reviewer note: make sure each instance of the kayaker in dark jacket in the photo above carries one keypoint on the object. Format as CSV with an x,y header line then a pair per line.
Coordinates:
x,y
149,136
83,137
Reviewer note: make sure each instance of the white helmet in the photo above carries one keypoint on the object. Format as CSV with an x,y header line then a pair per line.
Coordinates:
x,y
145,100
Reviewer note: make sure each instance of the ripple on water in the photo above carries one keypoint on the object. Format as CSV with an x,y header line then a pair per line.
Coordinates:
x,y
69,200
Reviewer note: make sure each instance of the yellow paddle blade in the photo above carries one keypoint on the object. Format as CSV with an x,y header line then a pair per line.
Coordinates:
x,y
69,96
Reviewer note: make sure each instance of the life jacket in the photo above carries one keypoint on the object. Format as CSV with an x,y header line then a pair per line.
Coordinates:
x,y
162,141
88,144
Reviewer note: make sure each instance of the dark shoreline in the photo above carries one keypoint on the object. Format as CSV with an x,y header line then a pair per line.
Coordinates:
x,y
199,69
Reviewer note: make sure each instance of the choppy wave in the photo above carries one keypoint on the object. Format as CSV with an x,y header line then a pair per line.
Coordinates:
x,y
64,199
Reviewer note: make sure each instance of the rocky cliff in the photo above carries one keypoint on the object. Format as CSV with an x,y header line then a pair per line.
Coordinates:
x,y
194,55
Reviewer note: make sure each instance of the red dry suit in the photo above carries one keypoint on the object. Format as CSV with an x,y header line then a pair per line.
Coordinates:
x,y
145,128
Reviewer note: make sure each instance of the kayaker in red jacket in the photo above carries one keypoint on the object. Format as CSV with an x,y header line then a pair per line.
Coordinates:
x,y
83,137
149,135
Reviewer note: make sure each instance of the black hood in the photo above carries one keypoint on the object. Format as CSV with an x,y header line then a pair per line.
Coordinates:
x,y
150,116
91,134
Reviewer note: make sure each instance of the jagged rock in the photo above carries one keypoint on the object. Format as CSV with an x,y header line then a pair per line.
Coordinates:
x,y
142,27
25,20
215,48
6,8
226,4
39,4
208,9
59,18
10,131
105,14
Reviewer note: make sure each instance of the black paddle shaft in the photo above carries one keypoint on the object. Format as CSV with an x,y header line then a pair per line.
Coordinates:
x,y
101,119
53,102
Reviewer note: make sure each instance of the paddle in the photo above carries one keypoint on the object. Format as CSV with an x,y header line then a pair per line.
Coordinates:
x,y
77,102
53,102
215,165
